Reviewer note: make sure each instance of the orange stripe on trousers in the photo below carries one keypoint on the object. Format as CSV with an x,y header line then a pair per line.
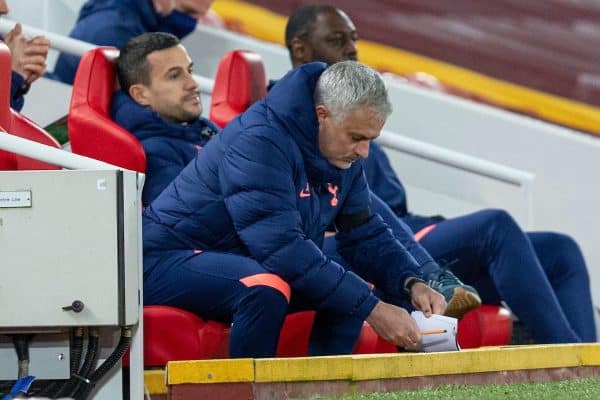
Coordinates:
x,y
270,280
421,234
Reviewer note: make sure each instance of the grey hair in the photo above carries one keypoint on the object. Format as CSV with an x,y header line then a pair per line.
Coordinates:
x,y
347,85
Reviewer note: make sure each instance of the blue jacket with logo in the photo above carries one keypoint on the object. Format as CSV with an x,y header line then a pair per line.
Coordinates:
x,y
113,23
262,189
169,146
384,182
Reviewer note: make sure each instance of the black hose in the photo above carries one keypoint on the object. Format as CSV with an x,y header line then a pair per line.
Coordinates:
x,y
124,343
89,364
76,346
21,343
53,390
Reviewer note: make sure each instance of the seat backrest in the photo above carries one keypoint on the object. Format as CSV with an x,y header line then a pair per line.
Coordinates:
x,y
92,132
240,81
18,125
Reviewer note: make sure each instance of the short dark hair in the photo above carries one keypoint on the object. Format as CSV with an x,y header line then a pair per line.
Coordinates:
x,y
301,22
132,65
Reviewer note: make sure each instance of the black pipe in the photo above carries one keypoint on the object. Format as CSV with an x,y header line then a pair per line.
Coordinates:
x,y
76,346
21,343
89,364
122,347
53,390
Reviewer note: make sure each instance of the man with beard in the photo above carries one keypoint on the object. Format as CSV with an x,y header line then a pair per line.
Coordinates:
x,y
159,102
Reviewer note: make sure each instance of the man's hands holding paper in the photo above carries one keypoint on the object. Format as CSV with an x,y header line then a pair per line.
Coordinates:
x,y
427,300
395,324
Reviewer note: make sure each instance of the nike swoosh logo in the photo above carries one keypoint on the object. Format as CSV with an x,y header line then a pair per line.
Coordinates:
x,y
305,192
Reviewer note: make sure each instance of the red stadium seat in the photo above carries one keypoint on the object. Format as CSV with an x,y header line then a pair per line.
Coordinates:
x,y
172,334
294,336
239,82
92,132
15,123
487,325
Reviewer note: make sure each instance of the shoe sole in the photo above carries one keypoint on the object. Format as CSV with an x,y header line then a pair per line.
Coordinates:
x,y
461,303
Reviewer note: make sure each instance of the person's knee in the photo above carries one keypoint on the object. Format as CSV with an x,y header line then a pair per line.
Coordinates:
x,y
270,294
499,218
564,244
268,281
266,299
570,253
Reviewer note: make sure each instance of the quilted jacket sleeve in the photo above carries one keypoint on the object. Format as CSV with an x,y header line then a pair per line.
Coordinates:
x,y
163,163
372,248
256,177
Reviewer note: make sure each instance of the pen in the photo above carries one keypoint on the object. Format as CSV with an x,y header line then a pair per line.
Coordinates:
x,y
433,332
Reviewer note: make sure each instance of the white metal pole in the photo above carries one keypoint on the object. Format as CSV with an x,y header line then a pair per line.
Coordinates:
x,y
49,154
76,47
455,159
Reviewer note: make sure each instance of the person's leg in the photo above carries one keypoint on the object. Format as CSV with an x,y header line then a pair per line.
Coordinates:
x,y
222,287
489,245
460,298
333,334
565,268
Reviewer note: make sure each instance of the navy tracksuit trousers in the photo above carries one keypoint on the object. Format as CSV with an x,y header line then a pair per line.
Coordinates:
x,y
235,289
541,276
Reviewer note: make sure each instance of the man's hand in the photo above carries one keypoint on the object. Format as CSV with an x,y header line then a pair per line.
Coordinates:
x,y
427,300
28,55
194,8
395,325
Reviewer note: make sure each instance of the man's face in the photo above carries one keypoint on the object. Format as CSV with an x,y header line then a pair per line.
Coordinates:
x,y
172,93
332,39
3,7
344,142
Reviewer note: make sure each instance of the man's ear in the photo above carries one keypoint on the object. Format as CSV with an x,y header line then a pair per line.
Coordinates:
x,y
139,93
301,52
322,113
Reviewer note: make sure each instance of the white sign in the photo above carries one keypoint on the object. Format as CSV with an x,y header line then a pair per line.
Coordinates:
x,y
439,332
15,199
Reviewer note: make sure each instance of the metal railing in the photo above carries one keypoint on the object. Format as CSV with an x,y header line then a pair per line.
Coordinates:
x,y
455,159
76,47
49,154
392,140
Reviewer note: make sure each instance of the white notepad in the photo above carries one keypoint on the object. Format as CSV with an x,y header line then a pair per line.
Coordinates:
x,y
445,340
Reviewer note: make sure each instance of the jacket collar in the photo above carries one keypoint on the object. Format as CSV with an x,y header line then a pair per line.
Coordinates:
x,y
145,123
291,101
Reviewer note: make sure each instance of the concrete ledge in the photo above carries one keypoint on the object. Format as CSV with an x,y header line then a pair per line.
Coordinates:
x,y
210,371
282,378
155,381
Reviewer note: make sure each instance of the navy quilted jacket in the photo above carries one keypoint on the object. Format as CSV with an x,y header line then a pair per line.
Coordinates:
x,y
169,146
261,188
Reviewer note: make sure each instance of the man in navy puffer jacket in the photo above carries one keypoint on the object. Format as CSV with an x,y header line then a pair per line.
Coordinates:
x,y
237,235
542,276
114,22
159,103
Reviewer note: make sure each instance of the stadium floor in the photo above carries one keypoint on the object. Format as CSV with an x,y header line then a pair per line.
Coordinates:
x,y
262,23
